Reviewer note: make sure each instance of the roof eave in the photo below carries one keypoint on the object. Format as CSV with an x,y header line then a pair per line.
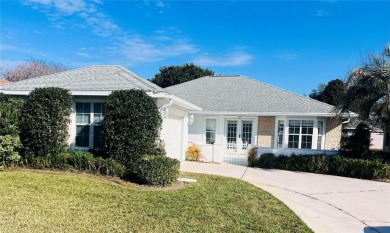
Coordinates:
x,y
301,114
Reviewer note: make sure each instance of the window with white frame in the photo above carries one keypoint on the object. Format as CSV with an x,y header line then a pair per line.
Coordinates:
x,y
320,126
211,127
279,138
300,134
89,118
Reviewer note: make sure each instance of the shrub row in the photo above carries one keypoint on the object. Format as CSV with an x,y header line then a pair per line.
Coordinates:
x,y
78,161
325,164
158,170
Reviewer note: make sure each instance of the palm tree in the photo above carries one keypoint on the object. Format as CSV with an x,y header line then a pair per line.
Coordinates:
x,y
368,90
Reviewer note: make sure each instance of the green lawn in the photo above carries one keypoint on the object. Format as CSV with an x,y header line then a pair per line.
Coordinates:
x,y
62,202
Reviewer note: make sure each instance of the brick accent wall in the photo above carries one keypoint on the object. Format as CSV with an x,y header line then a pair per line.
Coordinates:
x,y
266,131
333,133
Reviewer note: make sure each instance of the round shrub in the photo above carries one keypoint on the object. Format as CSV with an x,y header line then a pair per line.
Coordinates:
x,y
44,121
266,160
132,124
158,170
9,146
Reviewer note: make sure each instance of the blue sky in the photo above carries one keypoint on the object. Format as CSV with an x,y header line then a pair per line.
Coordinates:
x,y
294,45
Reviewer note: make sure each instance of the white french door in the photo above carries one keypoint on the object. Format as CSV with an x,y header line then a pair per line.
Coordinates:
x,y
239,135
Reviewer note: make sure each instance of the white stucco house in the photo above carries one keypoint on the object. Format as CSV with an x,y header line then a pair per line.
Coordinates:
x,y
224,115
239,113
91,85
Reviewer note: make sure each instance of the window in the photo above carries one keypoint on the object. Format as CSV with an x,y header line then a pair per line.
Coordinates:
x,y
300,134
279,138
89,117
320,134
211,126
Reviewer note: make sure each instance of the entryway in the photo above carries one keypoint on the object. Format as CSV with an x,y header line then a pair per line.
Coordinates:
x,y
239,138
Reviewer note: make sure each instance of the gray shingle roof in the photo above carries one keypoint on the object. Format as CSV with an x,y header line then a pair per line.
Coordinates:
x,y
242,94
92,78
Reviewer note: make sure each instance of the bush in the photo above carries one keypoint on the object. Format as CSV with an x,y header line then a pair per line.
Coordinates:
x,y
252,157
9,146
79,161
359,143
266,160
10,109
131,126
324,164
44,122
158,170
194,153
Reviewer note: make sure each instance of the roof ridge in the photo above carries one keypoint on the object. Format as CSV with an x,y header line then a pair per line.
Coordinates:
x,y
139,78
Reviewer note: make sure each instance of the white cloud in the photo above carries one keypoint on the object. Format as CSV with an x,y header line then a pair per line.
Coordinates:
x,y
136,49
236,58
83,54
4,47
321,13
62,6
287,56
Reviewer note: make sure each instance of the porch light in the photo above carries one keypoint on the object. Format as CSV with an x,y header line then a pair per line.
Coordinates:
x,y
191,119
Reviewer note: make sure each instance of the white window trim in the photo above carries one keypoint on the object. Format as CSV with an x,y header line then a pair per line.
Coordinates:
x,y
286,130
91,124
204,129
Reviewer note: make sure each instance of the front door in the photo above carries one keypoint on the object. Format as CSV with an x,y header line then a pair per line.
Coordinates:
x,y
239,136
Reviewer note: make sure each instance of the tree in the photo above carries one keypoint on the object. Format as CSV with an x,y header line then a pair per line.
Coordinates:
x,y
30,69
368,90
173,75
330,93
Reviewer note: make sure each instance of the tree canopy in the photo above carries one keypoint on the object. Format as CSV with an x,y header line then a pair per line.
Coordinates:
x,y
330,93
30,69
173,75
368,89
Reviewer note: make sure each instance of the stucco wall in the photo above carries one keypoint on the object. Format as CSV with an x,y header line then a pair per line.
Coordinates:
x,y
333,133
266,131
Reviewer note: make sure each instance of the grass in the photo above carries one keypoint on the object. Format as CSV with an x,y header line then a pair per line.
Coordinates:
x,y
62,202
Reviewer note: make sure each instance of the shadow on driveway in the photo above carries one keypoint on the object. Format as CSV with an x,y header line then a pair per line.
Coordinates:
x,y
381,229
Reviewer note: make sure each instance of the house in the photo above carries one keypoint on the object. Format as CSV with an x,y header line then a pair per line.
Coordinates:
x,y
3,81
91,85
376,133
239,113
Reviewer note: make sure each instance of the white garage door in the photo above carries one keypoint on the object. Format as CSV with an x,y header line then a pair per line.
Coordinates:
x,y
171,133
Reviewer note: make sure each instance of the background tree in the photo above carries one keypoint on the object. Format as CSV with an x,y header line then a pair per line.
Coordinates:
x,y
30,69
330,93
368,90
173,75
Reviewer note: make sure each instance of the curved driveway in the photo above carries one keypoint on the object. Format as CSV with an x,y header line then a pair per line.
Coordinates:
x,y
325,203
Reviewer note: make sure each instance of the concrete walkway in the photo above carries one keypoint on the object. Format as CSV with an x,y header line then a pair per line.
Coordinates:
x,y
325,203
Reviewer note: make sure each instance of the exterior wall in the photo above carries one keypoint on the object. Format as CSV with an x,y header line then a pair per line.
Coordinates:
x,y
266,131
333,134
376,141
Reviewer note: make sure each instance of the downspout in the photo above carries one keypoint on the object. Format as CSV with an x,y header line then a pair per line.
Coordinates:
x,y
161,109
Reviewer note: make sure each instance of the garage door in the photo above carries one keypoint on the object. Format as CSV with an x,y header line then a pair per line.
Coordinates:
x,y
171,133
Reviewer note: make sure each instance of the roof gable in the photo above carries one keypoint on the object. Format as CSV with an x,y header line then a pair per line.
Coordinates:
x,y
243,94
92,78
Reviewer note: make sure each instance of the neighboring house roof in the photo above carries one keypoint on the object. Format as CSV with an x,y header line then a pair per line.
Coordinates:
x,y
92,78
373,125
3,81
240,94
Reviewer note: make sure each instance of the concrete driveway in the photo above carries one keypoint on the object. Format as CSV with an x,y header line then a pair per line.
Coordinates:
x,y
325,203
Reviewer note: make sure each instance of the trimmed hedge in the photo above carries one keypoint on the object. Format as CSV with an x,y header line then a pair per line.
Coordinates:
x,y
79,161
158,170
10,109
132,124
9,146
325,164
44,122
